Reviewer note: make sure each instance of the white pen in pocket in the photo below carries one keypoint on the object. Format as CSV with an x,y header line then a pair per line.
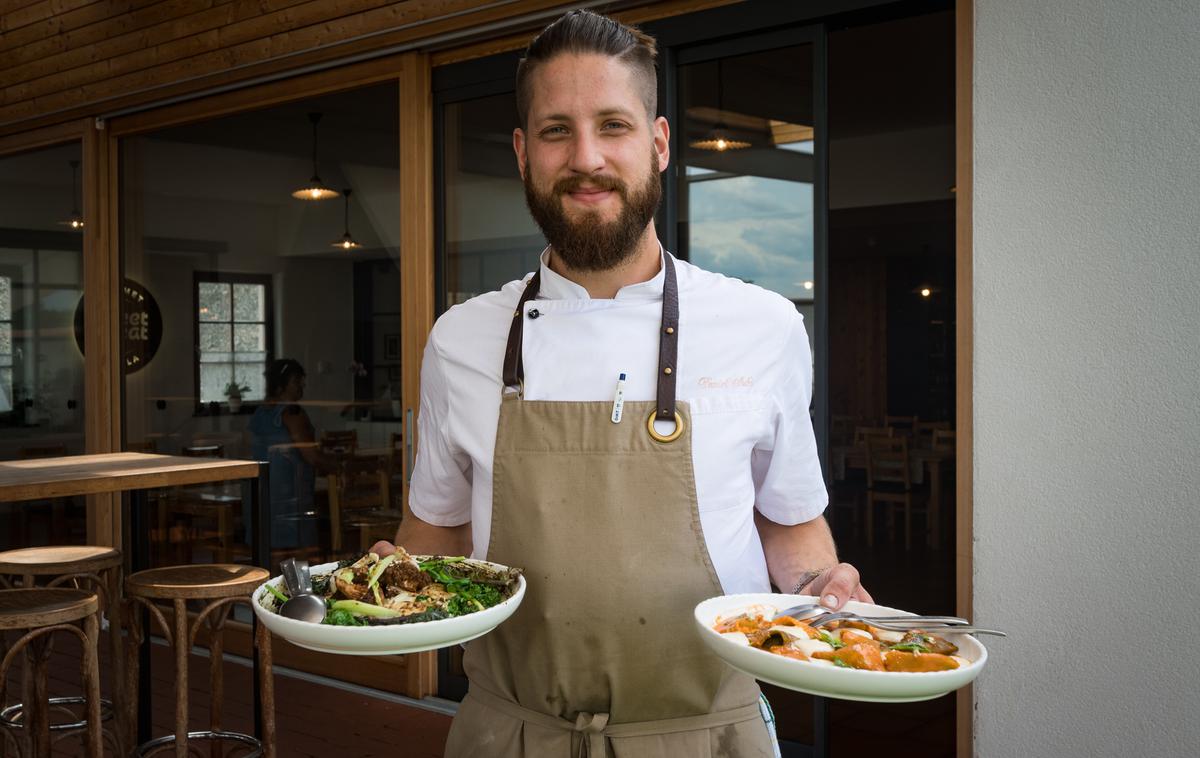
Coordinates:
x,y
619,400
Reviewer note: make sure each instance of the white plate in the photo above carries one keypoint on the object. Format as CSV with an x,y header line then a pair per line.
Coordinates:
x,y
831,681
389,639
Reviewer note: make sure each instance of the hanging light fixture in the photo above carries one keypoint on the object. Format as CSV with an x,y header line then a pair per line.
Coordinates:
x,y
76,219
719,139
346,242
315,189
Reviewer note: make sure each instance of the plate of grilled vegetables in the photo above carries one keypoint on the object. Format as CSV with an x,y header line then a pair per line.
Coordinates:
x,y
398,603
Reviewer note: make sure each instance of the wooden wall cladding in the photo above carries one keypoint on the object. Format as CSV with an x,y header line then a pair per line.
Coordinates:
x,y
69,58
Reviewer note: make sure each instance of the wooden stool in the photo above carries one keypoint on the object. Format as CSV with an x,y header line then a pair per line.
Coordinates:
x,y
43,611
222,585
85,567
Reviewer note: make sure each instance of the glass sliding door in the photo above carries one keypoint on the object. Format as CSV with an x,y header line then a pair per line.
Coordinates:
x,y
260,257
41,331
746,157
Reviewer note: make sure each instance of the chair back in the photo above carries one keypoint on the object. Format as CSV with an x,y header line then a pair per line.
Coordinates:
x,y
943,439
887,461
901,424
339,441
864,433
357,485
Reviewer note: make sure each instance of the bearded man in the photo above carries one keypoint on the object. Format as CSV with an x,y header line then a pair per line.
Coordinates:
x,y
622,517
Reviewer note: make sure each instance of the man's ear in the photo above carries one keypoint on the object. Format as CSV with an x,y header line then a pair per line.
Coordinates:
x,y
662,142
519,149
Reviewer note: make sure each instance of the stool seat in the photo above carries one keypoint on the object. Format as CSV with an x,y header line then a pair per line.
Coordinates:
x,y
40,606
196,582
58,559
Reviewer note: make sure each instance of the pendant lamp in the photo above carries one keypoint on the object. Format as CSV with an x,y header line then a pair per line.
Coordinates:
x,y
719,138
346,242
315,189
76,219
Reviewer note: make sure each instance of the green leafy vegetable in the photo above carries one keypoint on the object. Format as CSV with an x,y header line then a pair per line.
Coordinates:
x,y
278,595
841,664
828,638
911,647
343,617
470,597
433,614
377,570
363,609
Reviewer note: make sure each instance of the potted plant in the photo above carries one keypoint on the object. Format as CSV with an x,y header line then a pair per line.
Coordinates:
x,y
234,391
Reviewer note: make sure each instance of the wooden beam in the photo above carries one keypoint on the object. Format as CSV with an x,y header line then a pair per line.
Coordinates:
x,y
44,137
964,344
100,414
639,15
416,273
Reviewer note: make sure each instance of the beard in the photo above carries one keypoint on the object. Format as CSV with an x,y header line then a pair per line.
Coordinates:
x,y
587,242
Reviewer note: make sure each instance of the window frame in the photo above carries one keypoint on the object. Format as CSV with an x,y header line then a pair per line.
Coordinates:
x,y
212,408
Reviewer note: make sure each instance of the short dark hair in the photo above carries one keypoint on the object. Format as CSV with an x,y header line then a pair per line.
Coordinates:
x,y
582,32
279,372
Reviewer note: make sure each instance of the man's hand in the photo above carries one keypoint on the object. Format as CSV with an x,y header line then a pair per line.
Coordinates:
x,y
837,584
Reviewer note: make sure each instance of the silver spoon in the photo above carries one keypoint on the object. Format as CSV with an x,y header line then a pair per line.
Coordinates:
x,y
302,604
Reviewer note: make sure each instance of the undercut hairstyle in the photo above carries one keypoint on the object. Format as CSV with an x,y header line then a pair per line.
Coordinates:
x,y
583,32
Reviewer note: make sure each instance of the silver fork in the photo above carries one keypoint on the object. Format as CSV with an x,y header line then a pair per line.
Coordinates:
x,y
911,623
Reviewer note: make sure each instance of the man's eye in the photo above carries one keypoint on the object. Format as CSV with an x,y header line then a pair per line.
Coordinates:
x,y
611,125
554,131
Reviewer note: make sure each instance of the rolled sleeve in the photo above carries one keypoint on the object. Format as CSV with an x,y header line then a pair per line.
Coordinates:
x,y
789,485
440,491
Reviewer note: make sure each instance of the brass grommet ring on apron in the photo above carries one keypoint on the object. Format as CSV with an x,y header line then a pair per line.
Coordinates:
x,y
664,437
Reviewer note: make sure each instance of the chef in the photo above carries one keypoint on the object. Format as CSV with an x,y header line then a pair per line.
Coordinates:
x,y
629,429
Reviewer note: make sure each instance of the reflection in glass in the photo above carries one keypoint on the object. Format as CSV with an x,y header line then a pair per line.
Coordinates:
x,y
246,280
41,360
746,195
490,238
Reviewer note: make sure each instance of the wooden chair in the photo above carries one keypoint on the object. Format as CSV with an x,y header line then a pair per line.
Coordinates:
x,y
359,499
901,424
41,612
95,569
338,442
943,439
889,480
219,587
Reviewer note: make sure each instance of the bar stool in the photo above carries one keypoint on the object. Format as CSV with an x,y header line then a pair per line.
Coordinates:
x,y
95,568
220,586
42,612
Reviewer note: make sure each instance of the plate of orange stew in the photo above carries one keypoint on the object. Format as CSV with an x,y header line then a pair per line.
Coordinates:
x,y
847,660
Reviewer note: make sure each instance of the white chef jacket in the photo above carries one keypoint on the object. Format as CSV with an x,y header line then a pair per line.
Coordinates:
x,y
744,368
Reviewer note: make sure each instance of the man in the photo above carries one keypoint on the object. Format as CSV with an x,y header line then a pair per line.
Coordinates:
x,y
705,482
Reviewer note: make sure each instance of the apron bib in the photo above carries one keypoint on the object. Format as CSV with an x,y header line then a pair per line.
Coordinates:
x,y
602,658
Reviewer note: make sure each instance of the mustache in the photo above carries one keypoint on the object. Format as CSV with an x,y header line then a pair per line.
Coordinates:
x,y
600,182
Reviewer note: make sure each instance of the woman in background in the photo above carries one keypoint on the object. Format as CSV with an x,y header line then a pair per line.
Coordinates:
x,y
282,434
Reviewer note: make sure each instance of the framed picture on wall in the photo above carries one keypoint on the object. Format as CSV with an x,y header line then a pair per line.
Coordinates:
x,y
391,347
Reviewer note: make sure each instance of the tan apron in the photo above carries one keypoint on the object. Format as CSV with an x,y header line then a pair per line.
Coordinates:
x,y
602,658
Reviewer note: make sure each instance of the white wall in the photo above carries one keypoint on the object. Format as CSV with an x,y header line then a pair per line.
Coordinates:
x,y
1086,392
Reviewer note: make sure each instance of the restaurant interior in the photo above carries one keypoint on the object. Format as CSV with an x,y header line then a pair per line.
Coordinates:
x,y
818,164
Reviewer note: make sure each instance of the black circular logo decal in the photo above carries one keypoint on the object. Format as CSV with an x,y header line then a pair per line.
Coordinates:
x,y
141,326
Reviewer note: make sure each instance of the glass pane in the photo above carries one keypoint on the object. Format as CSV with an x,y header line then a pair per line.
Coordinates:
x,y
215,235
41,360
251,375
214,301
215,338
248,302
490,238
250,338
746,194
213,378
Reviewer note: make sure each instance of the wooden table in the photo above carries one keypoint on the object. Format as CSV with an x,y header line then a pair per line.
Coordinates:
x,y
43,478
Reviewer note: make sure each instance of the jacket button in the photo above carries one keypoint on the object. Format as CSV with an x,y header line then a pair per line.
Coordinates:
x,y
534,313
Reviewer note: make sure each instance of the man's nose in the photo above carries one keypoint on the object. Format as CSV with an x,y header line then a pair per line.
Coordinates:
x,y
587,157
